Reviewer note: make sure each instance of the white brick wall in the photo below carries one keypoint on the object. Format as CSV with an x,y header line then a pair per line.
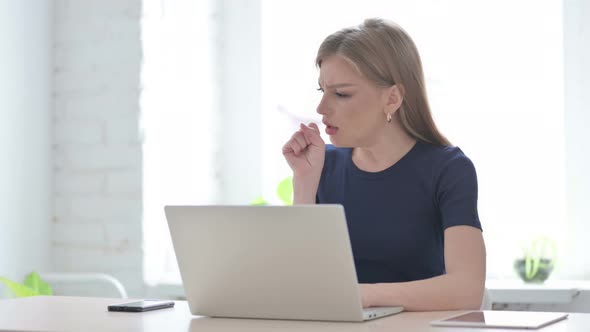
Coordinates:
x,y
97,143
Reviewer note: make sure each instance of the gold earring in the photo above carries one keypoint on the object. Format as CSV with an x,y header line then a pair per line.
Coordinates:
x,y
388,117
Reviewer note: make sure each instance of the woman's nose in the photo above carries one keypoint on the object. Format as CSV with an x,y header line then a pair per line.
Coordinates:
x,y
322,107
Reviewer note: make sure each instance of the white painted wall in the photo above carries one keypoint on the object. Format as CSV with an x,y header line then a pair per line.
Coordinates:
x,y
25,139
577,129
97,145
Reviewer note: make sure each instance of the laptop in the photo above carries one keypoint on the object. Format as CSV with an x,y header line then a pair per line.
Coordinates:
x,y
270,262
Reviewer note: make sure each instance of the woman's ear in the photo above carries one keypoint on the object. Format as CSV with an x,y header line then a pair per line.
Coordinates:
x,y
396,97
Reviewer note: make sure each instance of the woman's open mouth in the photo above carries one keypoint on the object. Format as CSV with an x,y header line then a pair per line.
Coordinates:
x,y
330,130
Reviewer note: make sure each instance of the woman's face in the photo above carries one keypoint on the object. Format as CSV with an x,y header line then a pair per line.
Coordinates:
x,y
353,108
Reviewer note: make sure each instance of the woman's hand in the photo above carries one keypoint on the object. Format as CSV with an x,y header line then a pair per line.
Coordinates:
x,y
367,294
305,151
305,154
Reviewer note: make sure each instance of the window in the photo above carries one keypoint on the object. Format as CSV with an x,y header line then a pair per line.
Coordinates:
x,y
495,89
247,72
178,121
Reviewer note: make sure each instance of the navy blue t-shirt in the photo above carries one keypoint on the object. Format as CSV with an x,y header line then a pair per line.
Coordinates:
x,y
396,217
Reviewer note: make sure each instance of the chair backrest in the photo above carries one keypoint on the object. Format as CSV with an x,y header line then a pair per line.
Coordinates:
x,y
85,284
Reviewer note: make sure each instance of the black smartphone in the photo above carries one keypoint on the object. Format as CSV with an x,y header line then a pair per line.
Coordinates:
x,y
140,306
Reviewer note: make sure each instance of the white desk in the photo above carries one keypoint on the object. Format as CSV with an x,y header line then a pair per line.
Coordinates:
x,y
90,314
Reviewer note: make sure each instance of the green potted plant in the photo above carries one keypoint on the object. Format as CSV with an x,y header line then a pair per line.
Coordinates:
x,y
32,286
538,260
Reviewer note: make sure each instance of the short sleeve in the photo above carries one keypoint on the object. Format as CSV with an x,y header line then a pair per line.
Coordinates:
x,y
456,193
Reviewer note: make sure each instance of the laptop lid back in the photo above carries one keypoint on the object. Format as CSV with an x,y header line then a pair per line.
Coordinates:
x,y
282,262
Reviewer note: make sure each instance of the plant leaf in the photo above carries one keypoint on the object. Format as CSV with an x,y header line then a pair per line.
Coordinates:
x,y
285,190
45,289
536,262
19,290
528,267
34,282
259,201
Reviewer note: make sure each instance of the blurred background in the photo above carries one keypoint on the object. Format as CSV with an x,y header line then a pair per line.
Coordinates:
x,y
113,108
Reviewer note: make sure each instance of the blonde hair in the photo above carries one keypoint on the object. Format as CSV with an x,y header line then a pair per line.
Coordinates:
x,y
385,54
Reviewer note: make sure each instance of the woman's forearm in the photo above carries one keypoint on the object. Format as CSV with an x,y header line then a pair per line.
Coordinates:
x,y
304,190
446,292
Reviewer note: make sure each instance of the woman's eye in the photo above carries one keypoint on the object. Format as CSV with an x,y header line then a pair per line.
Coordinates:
x,y
337,94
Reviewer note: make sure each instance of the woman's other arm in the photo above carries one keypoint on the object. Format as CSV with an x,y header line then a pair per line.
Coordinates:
x,y
461,288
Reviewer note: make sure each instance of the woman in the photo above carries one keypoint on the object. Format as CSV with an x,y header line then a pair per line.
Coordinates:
x,y
410,197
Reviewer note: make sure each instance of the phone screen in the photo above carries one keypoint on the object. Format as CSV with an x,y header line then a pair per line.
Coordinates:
x,y
472,317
